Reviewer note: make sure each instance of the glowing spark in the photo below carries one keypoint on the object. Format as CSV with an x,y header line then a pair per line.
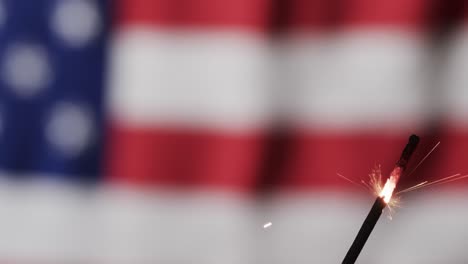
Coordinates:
x,y
349,180
267,225
367,185
412,187
455,179
444,180
423,159
375,180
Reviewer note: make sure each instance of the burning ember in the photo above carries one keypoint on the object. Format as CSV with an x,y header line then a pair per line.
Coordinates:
x,y
390,185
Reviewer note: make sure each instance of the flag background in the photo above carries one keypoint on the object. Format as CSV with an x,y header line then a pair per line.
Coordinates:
x,y
170,131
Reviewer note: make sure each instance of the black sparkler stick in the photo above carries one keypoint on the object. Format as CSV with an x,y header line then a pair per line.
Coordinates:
x,y
379,205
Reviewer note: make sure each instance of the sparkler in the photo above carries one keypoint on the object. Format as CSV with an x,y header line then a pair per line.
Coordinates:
x,y
381,202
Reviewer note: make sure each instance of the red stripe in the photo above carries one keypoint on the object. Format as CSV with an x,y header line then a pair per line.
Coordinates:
x,y
314,159
453,156
309,14
338,15
249,14
405,13
307,159
180,157
260,15
465,11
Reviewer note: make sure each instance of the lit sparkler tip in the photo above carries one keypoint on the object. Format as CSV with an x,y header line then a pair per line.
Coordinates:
x,y
267,225
382,201
387,190
390,184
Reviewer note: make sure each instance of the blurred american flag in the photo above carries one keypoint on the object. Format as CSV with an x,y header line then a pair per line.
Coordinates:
x,y
170,131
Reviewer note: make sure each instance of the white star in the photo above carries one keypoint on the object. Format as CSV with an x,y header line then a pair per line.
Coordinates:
x,y
26,68
1,121
76,22
3,14
70,128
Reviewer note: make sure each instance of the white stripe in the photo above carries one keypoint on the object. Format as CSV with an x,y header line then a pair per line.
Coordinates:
x,y
313,228
356,79
46,222
319,228
455,86
50,223
174,227
190,78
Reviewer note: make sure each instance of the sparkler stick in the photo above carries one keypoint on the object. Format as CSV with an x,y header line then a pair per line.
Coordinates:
x,y
381,202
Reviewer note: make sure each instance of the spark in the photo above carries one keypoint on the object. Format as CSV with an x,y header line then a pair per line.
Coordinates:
x,y
349,180
393,205
367,185
444,180
375,180
267,225
412,187
423,159
427,183
455,179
